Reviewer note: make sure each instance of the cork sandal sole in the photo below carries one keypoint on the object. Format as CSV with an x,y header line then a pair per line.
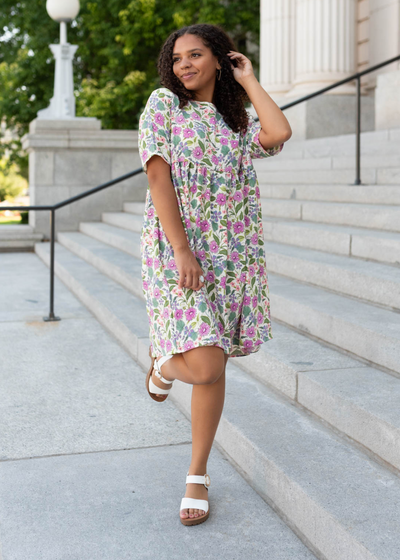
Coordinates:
x,y
147,382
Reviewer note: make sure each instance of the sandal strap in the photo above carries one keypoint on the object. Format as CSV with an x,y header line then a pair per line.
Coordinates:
x,y
157,365
193,503
198,479
157,390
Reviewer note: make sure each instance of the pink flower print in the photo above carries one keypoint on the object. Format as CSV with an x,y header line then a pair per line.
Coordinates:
x,y
188,133
204,225
252,270
243,277
154,127
238,227
150,212
228,169
159,118
254,301
176,130
225,132
245,190
193,188
178,314
234,144
251,332
213,120
190,314
195,116
162,343
248,344
246,300
261,271
151,312
204,171
201,254
204,329
235,256
156,263
238,196
246,221
214,246
213,307
257,192
259,317
188,345
149,261
221,198
197,152
223,282
214,159
145,285
169,346
220,328
207,194
180,119
172,264
187,222
234,306
165,314
210,276
156,292
229,224
144,155
254,239
224,141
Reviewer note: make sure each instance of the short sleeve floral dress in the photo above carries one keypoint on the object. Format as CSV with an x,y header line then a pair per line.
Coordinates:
x,y
219,202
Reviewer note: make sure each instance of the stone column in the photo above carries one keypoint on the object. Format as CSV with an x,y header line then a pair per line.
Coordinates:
x,y
325,45
277,46
69,156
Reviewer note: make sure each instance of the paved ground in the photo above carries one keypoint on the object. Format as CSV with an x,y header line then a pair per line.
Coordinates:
x,y
90,467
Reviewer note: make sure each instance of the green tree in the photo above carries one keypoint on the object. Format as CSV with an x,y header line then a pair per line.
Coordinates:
x,y
115,64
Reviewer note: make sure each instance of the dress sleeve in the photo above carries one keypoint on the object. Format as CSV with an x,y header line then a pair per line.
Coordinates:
x,y
252,140
155,128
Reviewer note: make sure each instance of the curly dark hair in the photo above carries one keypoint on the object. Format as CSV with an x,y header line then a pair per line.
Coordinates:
x,y
229,96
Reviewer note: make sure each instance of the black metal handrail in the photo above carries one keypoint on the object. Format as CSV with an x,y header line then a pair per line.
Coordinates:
x,y
54,207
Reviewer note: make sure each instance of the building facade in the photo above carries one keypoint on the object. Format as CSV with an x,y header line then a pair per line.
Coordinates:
x,y
306,45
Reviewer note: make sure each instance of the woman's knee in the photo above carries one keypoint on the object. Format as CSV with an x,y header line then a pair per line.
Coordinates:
x,y
207,363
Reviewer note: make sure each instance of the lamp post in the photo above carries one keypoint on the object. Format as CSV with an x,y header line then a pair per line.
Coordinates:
x,y
62,104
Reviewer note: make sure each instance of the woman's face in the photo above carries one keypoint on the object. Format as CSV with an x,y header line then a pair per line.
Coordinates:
x,y
193,63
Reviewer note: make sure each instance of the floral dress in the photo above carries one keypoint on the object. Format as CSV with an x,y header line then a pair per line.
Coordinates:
x,y
219,202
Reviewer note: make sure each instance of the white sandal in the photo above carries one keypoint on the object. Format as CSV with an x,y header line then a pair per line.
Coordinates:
x,y
151,387
194,503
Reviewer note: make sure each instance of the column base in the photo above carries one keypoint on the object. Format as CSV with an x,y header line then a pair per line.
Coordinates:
x,y
328,115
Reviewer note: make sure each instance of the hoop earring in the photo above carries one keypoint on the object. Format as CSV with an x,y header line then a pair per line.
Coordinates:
x,y
220,72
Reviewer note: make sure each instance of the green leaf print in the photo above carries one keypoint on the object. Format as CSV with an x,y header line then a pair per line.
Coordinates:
x,y
215,228
180,325
218,270
205,319
232,316
201,133
207,161
246,310
176,140
202,146
169,273
231,265
202,307
225,150
162,245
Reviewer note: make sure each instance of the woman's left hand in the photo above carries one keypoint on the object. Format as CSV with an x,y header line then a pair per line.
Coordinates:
x,y
244,69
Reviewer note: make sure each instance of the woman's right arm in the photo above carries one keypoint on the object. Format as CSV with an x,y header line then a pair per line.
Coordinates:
x,y
164,199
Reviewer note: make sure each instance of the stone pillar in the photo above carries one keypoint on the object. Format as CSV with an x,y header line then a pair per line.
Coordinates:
x,y
277,46
69,156
325,45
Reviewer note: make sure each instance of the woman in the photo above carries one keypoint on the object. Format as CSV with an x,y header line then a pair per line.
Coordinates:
x,y
203,261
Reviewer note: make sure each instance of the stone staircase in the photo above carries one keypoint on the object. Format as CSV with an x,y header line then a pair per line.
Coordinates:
x,y
311,421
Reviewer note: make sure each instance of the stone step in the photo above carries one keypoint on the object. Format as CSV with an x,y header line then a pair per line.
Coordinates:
x,y
124,220
380,246
118,237
364,194
375,283
322,376
18,237
368,161
369,176
368,332
369,216
302,468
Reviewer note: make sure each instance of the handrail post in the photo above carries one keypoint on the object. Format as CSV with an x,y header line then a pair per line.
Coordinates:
x,y
358,133
51,316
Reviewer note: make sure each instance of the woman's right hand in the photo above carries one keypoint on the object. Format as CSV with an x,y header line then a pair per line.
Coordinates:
x,y
189,269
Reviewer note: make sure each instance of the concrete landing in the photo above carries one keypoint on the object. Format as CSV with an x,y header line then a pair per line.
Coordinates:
x,y
90,467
